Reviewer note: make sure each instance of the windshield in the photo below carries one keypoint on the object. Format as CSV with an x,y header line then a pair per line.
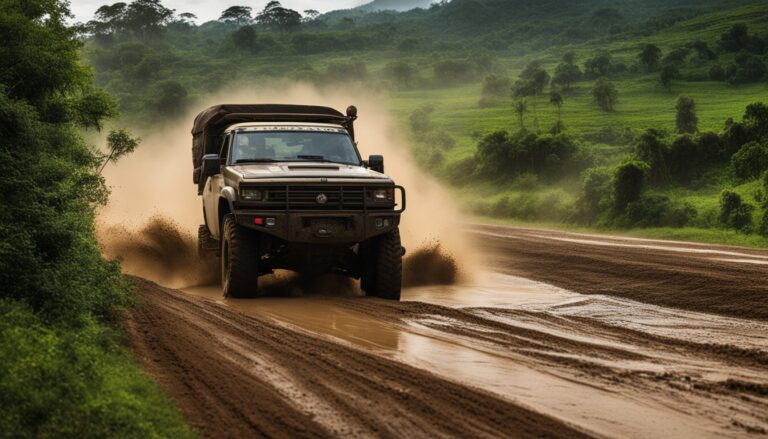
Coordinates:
x,y
289,146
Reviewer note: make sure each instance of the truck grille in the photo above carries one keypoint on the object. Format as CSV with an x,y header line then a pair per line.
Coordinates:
x,y
294,197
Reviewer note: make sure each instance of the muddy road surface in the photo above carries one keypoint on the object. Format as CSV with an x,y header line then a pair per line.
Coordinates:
x,y
563,335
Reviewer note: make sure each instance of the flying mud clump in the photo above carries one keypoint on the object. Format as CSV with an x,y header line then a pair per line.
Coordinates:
x,y
430,265
160,251
163,252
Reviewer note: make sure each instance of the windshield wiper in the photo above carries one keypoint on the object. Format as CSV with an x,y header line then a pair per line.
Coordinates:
x,y
317,158
255,161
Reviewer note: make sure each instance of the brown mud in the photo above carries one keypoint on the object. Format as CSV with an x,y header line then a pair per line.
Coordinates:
x,y
715,279
328,363
243,376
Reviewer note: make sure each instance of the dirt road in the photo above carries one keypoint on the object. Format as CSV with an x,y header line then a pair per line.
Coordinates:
x,y
627,338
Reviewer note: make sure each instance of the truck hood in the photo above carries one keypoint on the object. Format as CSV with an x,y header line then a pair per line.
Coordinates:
x,y
258,171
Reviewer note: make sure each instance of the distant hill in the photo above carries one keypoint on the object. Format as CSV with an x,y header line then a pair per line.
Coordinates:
x,y
394,5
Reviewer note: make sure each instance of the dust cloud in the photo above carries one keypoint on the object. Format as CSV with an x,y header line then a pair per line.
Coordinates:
x,y
156,181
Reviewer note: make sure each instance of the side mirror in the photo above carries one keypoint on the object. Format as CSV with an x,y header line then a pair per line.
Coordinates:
x,y
211,165
376,163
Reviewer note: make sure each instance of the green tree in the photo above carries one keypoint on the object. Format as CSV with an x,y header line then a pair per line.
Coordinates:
x,y
239,15
668,73
599,65
652,150
520,106
751,160
146,18
685,116
274,16
605,94
566,75
649,57
245,39
628,184
734,213
556,99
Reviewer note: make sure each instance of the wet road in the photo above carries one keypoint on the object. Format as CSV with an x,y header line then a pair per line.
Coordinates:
x,y
598,355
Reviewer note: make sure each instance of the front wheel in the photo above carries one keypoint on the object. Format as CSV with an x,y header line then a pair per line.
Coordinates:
x,y
383,266
239,261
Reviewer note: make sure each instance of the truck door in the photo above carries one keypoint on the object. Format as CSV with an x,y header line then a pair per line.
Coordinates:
x,y
212,191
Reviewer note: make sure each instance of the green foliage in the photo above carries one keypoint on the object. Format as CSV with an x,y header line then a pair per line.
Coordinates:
x,y
751,160
566,74
600,65
628,183
453,72
504,155
667,75
652,150
745,69
658,211
59,382
738,38
275,17
121,144
649,56
595,194
61,372
734,213
605,94
401,74
238,15
495,86
245,40
686,120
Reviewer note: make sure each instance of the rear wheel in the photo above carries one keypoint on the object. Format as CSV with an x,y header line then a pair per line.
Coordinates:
x,y
383,266
239,261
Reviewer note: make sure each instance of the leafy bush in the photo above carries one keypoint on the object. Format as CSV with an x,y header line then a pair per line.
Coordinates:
x,y
61,372
611,135
659,211
529,207
605,94
595,194
501,154
750,161
453,72
746,69
717,73
628,183
495,86
733,212
63,383
421,121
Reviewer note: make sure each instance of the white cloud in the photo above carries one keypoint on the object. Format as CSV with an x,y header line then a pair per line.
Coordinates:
x,y
207,10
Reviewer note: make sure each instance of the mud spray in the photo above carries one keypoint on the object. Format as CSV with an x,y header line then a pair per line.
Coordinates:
x,y
151,222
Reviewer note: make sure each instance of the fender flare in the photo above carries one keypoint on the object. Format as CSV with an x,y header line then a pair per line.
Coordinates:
x,y
228,193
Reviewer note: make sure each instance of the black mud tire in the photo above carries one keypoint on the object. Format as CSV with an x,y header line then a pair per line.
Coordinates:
x,y
384,259
239,261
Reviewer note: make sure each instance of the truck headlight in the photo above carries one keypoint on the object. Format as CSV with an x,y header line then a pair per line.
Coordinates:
x,y
251,194
384,195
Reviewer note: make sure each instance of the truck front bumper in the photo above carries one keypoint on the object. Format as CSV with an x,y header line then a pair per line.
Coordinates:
x,y
317,227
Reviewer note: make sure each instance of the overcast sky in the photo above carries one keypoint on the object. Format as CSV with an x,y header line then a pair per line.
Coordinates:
x,y
211,9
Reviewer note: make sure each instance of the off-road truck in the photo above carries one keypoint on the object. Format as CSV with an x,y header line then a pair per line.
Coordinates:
x,y
284,187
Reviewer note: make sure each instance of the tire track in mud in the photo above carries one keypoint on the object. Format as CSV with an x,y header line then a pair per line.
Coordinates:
x,y
209,359
673,274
